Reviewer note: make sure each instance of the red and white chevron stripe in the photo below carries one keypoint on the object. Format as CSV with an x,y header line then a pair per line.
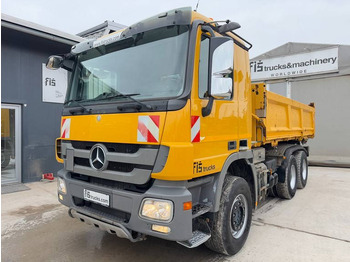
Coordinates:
x,y
65,128
195,129
148,129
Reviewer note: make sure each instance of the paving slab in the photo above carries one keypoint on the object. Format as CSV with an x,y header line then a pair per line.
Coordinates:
x,y
321,208
313,226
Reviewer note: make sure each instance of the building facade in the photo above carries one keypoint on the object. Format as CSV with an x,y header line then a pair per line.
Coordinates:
x,y
32,96
318,73
31,102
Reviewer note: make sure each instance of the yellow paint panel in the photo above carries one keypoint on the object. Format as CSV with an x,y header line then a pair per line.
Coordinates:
x,y
179,163
177,136
113,128
296,118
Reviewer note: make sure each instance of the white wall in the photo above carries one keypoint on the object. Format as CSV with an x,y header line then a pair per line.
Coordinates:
x,y
279,88
331,144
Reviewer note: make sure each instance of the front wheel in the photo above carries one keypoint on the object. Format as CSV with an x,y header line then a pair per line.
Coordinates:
x,y
231,224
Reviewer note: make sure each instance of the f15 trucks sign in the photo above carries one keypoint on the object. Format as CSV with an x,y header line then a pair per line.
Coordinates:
x,y
54,84
295,65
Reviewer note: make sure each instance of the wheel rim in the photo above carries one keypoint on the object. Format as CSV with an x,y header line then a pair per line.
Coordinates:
x,y
304,173
239,216
293,174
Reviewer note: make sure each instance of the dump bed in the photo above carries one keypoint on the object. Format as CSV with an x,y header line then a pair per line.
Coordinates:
x,y
277,118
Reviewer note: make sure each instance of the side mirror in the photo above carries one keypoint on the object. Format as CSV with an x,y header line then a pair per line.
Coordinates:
x,y
54,62
220,71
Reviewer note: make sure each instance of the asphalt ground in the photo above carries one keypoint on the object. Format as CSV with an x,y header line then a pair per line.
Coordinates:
x,y
313,226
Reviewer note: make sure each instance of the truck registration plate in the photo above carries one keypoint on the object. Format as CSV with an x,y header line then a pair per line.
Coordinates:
x,y
96,197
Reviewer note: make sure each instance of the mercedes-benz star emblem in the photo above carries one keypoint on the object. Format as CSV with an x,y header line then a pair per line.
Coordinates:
x,y
98,160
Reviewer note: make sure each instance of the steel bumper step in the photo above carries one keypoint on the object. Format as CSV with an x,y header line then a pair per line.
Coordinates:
x,y
200,209
198,238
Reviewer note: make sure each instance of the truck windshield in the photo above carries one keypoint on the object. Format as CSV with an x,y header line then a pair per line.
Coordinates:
x,y
148,65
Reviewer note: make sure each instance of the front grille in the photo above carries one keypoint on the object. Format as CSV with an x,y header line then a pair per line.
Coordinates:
x,y
120,167
115,166
112,147
132,163
109,213
81,161
113,184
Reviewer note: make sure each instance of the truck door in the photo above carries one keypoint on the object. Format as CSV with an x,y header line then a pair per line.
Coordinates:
x,y
215,136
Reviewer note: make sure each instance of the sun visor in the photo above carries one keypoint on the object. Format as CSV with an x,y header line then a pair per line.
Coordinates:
x,y
179,16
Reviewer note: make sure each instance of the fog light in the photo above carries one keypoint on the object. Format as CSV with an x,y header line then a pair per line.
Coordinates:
x,y
61,186
157,209
60,197
161,229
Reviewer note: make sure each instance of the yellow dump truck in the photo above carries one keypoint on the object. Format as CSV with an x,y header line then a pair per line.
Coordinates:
x,y
164,135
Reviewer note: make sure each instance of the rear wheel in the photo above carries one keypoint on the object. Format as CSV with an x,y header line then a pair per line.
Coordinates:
x,y
302,168
287,179
231,224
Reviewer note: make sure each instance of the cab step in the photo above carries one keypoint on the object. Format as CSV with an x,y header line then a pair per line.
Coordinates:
x,y
198,238
200,209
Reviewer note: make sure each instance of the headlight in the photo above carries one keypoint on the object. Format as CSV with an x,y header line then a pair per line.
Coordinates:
x,y
61,186
157,209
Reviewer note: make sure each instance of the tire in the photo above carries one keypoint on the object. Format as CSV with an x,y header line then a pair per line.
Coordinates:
x,y
287,179
5,159
302,169
231,224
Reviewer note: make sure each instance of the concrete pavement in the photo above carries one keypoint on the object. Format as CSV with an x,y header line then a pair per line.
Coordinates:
x,y
313,226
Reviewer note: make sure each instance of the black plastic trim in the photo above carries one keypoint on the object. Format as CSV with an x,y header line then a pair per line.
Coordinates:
x,y
232,145
235,41
207,109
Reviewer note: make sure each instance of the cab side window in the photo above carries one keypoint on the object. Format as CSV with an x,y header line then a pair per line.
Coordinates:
x,y
203,68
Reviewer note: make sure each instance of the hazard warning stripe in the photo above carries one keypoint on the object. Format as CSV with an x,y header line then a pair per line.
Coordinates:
x,y
195,128
148,129
65,128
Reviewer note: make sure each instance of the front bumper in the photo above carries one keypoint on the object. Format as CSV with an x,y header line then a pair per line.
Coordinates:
x,y
111,227
122,215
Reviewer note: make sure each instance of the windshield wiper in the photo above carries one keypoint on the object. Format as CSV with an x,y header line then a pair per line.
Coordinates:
x,y
82,108
130,96
135,100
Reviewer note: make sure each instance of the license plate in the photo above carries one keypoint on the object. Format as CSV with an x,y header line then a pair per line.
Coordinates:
x,y
96,197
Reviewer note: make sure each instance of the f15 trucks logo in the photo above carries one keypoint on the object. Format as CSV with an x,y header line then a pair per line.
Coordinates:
x,y
199,168
295,65
50,81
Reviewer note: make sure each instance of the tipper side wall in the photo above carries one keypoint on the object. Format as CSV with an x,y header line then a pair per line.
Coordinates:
x,y
277,118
